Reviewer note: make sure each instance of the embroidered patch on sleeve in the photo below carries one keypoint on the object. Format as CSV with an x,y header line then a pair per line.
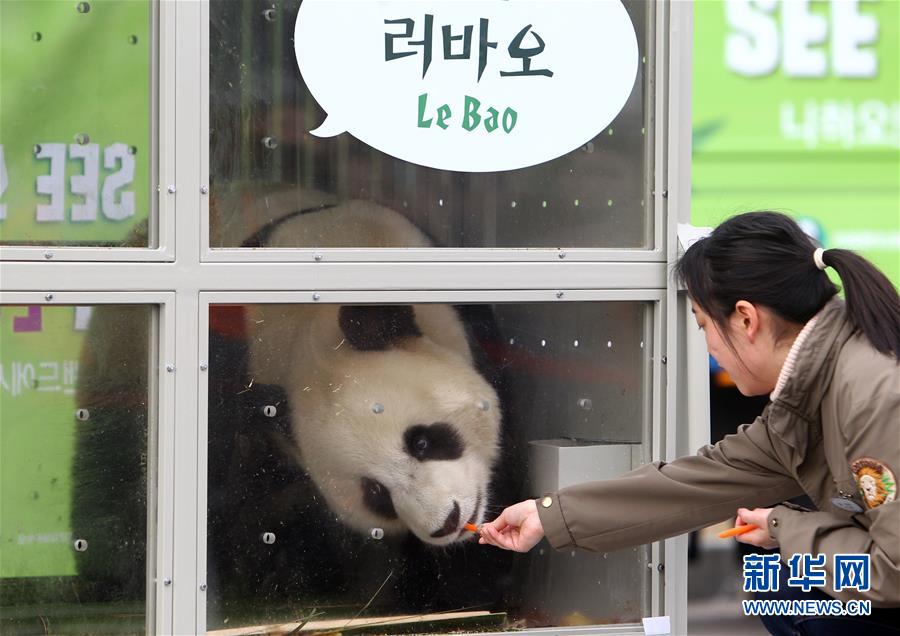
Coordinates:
x,y
875,480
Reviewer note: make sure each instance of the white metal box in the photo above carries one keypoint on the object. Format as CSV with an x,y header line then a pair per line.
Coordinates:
x,y
557,463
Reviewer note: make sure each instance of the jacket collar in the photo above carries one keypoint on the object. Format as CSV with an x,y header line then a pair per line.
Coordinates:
x,y
813,369
787,369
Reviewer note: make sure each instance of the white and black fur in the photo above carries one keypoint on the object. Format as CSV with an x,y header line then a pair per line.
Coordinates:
x,y
393,422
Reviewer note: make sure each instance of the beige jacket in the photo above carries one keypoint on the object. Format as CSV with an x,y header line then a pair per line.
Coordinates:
x,y
832,432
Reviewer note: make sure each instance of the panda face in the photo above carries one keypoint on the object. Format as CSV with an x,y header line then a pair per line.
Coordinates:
x,y
437,442
402,439
394,424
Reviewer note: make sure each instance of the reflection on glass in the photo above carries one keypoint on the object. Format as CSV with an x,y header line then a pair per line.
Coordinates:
x,y
75,129
265,165
74,457
349,445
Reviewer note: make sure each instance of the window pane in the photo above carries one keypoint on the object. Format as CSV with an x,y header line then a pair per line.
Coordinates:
x,y
76,158
74,456
349,444
265,165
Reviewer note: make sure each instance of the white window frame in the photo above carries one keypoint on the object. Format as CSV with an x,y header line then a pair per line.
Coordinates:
x,y
652,373
653,253
184,275
161,422
161,219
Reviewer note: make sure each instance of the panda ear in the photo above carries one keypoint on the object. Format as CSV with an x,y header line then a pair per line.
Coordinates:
x,y
377,327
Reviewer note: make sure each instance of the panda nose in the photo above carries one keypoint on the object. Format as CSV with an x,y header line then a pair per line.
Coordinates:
x,y
451,524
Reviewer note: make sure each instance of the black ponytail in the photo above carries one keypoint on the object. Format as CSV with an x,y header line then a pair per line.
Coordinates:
x,y
766,259
872,301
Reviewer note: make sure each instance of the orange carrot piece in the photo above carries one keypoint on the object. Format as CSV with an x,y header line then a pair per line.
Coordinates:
x,y
471,527
735,531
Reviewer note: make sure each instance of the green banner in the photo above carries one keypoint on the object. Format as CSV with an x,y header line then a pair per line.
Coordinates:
x,y
795,109
39,355
75,121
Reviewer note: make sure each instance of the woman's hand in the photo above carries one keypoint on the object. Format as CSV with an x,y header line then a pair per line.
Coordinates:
x,y
760,518
517,528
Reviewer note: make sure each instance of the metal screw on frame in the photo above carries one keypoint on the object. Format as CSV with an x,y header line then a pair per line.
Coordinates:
x,y
167,581
48,255
48,297
203,366
204,189
316,296
562,255
171,189
203,587
317,257
559,294
170,368
665,359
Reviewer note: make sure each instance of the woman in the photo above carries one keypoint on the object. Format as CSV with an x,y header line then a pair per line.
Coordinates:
x,y
772,319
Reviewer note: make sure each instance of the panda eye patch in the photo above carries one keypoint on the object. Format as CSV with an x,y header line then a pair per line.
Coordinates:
x,y
377,498
433,442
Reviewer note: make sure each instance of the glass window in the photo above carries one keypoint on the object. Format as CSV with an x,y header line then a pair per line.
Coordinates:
x,y
349,445
76,151
265,165
74,459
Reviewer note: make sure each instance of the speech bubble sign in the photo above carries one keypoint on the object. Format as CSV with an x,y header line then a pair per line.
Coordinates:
x,y
463,85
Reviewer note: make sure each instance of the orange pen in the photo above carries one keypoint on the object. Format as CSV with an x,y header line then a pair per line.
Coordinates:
x,y
737,530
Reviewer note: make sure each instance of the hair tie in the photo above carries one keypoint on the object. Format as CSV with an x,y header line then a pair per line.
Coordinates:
x,y
817,258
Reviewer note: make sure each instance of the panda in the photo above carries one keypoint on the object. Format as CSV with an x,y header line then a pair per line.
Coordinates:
x,y
392,420
387,434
